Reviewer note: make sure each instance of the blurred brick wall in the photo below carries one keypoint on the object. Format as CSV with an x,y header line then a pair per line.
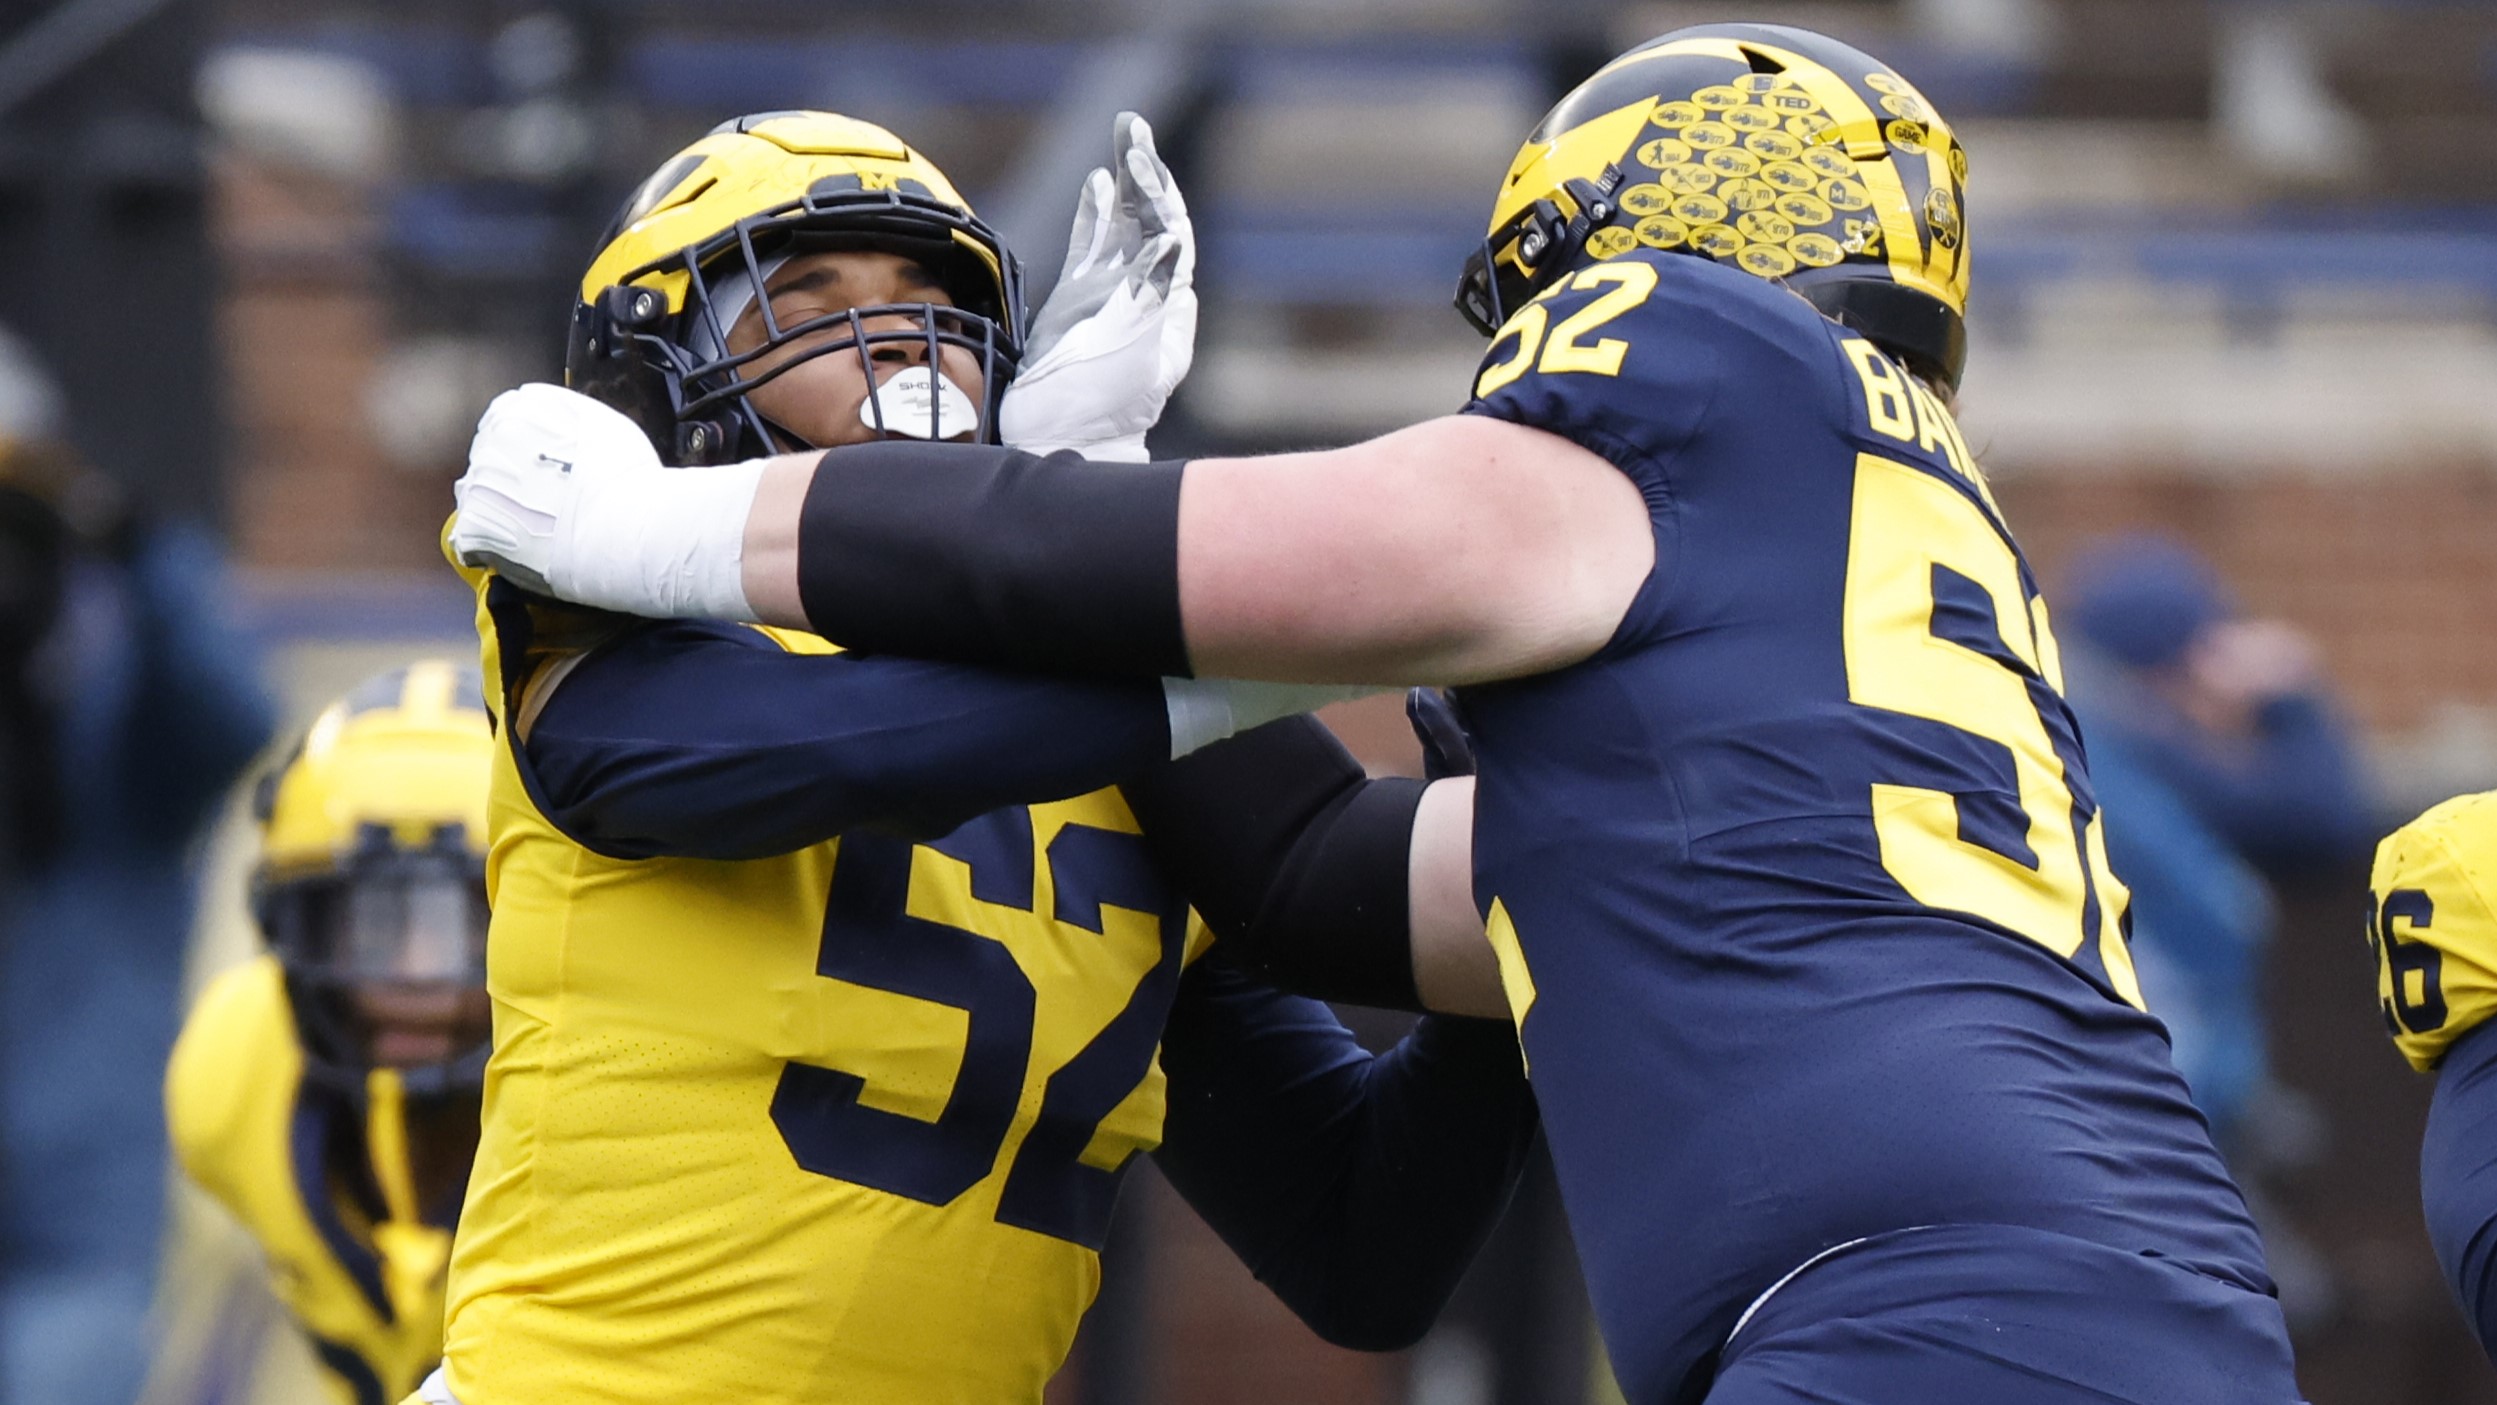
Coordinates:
x,y
2394,572
303,329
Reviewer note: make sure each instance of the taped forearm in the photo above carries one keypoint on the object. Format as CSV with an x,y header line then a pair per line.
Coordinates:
x,y
991,555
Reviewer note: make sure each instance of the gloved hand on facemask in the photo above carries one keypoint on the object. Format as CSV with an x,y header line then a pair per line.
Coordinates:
x,y
1119,331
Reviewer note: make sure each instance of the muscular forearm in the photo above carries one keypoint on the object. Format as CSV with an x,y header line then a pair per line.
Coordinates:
x,y
1457,550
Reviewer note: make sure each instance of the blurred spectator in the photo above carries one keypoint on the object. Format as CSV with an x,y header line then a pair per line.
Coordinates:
x,y
129,707
2220,763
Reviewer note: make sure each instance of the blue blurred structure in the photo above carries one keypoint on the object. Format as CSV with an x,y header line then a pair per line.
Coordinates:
x,y
2216,772
141,707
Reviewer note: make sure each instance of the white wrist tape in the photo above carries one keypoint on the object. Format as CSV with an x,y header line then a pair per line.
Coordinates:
x,y
1130,449
668,543
1203,711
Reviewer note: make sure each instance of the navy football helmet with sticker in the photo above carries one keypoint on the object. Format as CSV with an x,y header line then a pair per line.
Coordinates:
x,y
1777,151
650,331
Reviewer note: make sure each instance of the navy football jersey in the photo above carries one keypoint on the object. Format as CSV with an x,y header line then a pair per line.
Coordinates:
x,y
1800,890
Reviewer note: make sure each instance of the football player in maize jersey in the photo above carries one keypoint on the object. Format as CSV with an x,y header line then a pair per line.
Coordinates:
x,y
1783,831
327,1092
2433,927
819,1054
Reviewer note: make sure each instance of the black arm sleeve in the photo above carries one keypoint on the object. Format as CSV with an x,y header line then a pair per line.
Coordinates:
x,y
702,740
2458,1179
1356,1188
1295,858
990,555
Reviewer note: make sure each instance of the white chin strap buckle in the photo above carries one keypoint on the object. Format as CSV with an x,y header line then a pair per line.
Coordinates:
x,y
921,403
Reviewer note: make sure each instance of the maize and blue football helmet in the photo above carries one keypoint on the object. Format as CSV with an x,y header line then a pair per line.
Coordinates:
x,y
685,256
1777,151
372,874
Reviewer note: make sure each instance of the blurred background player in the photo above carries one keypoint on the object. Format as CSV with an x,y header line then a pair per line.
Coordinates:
x,y
131,703
2433,929
788,1104
2215,738
326,1093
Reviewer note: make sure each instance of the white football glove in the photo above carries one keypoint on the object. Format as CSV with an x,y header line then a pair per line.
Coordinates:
x,y
565,496
1118,332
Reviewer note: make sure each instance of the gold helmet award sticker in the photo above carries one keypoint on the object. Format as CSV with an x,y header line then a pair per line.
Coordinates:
x,y
1663,152
1791,176
1664,232
1774,145
1717,241
1699,210
1766,227
1612,241
1765,261
1748,195
1805,210
1646,199
1686,180
1816,250
1731,162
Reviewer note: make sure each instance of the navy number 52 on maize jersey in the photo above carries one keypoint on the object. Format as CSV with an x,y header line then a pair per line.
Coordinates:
x,y
870,939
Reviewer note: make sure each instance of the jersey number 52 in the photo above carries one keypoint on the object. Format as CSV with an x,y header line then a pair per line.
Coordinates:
x,y
870,939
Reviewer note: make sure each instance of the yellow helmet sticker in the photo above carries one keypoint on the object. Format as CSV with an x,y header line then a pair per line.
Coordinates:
x,y
1839,164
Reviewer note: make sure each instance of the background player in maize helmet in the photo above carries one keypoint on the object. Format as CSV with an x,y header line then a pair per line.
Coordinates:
x,y
788,1106
327,1092
2433,929
1783,830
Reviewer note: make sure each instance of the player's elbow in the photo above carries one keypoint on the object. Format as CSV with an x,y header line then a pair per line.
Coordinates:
x,y
1557,543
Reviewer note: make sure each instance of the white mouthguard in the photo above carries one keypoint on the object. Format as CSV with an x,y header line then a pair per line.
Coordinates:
x,y
917,400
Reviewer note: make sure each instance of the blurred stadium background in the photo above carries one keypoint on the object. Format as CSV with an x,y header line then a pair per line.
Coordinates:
x,y
2236,279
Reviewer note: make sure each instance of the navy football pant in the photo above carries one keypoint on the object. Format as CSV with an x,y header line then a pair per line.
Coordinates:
x,y
2002,1315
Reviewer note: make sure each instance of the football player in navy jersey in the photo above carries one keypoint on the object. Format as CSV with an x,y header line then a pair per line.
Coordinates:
x,y
1784,833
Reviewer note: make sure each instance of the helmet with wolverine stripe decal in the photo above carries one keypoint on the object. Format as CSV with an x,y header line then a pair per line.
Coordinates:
x,y
1777,151
693,245
370,887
